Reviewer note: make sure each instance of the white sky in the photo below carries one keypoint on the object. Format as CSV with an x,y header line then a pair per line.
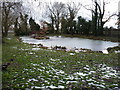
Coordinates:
x,y
37,11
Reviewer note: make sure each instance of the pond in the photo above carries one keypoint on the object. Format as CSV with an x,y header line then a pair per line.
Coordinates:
x,y
72,42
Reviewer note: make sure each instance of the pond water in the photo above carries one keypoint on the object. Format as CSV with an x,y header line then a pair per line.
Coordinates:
x,y
72,42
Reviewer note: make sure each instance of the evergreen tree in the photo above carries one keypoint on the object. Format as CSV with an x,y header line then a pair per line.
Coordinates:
x,y
33,25
64,25
83,26
21,25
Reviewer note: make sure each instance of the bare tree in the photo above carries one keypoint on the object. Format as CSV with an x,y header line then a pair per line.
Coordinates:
x,y
56,11
9,14
72,12
118,22
101,15
98,16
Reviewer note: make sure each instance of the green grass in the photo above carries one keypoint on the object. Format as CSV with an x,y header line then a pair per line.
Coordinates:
x,y
44,68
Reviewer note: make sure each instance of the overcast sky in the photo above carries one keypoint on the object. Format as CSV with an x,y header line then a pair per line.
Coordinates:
x,y
37,8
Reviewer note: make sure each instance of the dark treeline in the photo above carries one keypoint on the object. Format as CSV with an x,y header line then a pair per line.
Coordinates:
x,y
15,18
81,27
62,19
24,26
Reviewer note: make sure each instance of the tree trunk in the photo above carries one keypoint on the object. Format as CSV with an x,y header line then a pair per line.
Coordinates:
x,y
5,29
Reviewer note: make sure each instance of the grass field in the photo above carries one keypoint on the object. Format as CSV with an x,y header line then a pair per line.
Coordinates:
x,y
33,67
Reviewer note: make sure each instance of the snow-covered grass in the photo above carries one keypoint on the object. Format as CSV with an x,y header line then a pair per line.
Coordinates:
x,y
40,68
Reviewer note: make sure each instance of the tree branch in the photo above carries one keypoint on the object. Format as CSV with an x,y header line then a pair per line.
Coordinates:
x,y
109,18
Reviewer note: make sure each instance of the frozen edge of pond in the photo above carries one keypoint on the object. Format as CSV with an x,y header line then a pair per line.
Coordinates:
x,y
26,39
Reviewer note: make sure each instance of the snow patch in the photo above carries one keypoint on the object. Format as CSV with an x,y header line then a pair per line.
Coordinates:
x,y
36,48
32,80
105,51
72,53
